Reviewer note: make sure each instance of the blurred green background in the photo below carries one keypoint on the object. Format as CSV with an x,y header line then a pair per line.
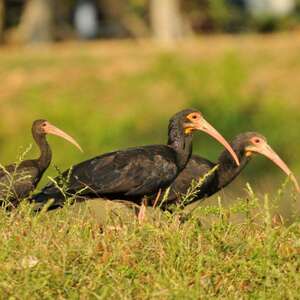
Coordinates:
x,y
112,95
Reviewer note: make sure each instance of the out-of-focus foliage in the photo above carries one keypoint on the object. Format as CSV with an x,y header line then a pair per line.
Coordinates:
x,y
233,16
214,15
131,17
223,16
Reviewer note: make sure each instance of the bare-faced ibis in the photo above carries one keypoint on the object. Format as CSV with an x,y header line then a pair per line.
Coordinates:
x,y
17,181
245,145
135,172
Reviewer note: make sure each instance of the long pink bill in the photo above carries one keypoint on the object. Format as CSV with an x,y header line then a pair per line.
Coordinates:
x,y
49,128
206,127
268,152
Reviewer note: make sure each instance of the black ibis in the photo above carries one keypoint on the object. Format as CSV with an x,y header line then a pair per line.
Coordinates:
x,y
17,181
135,172
245,146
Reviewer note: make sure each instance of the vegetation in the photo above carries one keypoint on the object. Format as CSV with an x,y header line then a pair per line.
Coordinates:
x,y
239,252
39,21
112,95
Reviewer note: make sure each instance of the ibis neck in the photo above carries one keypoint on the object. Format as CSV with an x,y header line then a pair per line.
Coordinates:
x,y
228,170
45,151
181,143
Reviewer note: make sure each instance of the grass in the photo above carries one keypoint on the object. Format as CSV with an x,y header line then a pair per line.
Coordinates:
x,y
244,251
113,95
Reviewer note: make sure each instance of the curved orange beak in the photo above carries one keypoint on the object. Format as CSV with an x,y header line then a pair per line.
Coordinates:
x,y
268,152
49,128
203,125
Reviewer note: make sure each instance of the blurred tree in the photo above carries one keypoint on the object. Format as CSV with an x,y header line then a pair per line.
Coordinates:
x,y
37,21
120,18
2,18
166,20
46,20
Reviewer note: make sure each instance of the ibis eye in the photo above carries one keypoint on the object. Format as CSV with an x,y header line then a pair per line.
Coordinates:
x,y
256,141
194,117
44,124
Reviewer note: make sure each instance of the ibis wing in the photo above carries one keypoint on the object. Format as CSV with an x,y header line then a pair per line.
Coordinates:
x,y
156,173
195,170
135,171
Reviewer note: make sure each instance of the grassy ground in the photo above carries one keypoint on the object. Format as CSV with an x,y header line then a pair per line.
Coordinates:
x,y
112,95
237,253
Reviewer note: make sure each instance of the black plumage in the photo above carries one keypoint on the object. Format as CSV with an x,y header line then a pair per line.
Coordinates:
x,y
131,173
244,145
18,180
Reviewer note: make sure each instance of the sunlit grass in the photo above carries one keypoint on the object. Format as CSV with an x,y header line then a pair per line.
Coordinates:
x,y
98,250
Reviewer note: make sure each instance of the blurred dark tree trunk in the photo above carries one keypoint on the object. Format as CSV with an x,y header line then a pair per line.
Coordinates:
x,y
166,20
37,22
2,19
121,21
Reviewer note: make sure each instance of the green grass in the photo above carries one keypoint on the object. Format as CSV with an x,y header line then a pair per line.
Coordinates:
x,y
244,251
115,95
